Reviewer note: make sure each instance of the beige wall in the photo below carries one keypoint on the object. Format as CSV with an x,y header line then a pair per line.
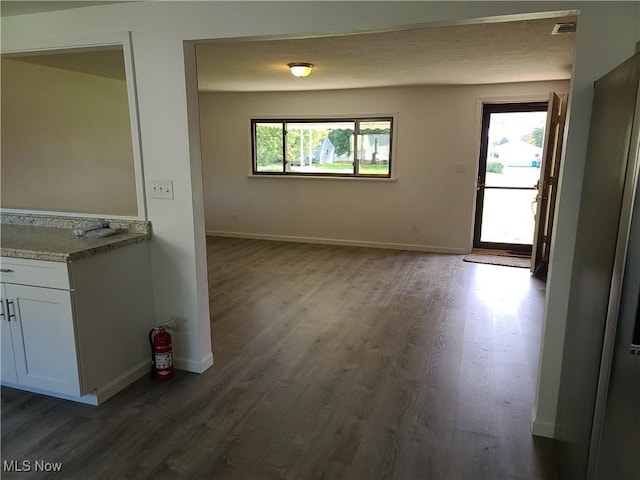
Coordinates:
x,y
66,142
437,128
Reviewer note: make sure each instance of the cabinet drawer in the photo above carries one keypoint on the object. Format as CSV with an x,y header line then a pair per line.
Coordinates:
x,y
39,273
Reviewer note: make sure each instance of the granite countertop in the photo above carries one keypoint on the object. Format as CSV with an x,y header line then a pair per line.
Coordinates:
x,y
51,242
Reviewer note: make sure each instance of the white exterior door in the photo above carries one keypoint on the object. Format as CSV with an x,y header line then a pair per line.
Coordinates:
x,y
548,183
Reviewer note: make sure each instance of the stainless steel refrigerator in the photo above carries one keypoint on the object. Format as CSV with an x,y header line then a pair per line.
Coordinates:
x,y
598,417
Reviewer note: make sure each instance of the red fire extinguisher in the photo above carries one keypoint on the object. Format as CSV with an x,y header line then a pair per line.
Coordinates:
x,y
161,361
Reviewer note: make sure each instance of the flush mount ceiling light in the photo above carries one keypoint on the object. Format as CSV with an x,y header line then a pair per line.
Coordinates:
x,y
300,69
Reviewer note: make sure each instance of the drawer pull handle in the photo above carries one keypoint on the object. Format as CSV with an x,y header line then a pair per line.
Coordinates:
x,y
6,270
9,305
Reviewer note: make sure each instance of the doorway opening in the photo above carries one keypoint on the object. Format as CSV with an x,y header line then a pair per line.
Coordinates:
x,y
511,153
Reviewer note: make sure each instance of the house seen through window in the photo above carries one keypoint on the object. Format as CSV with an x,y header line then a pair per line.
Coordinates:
x,y
336,147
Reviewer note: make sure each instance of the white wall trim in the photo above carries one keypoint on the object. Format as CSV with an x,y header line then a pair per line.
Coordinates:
x,y
107,391
99,395
541,428
338,241
525,97
88,399
194,366
67,43
308,176
91,42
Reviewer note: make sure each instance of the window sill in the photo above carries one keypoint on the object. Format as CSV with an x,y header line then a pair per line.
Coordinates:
x,y
325,177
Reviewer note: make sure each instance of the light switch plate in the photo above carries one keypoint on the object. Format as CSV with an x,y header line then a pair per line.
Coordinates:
x,y
161,189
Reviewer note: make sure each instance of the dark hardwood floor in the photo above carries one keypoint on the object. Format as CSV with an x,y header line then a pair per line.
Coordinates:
x,y
330,362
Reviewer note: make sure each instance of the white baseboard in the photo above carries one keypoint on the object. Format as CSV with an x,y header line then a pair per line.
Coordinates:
x,y
99,395
540,428
89,399
109,390
342,242
194,366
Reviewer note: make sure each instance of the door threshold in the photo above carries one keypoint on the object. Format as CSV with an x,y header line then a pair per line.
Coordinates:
x,y
500,252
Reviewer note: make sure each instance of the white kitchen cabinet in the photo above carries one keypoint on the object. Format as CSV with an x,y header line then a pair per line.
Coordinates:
x,y
7,362
42,337
79,329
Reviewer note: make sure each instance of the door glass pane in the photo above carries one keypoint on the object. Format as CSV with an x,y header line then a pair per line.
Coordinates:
x,y
320,147
268,147
514,152
508,216
374,147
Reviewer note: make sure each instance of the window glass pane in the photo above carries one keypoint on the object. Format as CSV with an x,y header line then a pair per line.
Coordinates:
x,y
327,147
268,147
508,216
514,152
374,147
320,147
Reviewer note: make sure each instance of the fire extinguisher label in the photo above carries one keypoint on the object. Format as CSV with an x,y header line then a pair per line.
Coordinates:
x,y
163,360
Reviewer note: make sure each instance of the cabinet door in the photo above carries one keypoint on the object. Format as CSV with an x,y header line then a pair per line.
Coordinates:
x,y
8,364
44,342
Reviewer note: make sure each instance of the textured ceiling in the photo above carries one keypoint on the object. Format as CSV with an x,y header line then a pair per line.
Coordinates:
x,y
505,52
514,51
